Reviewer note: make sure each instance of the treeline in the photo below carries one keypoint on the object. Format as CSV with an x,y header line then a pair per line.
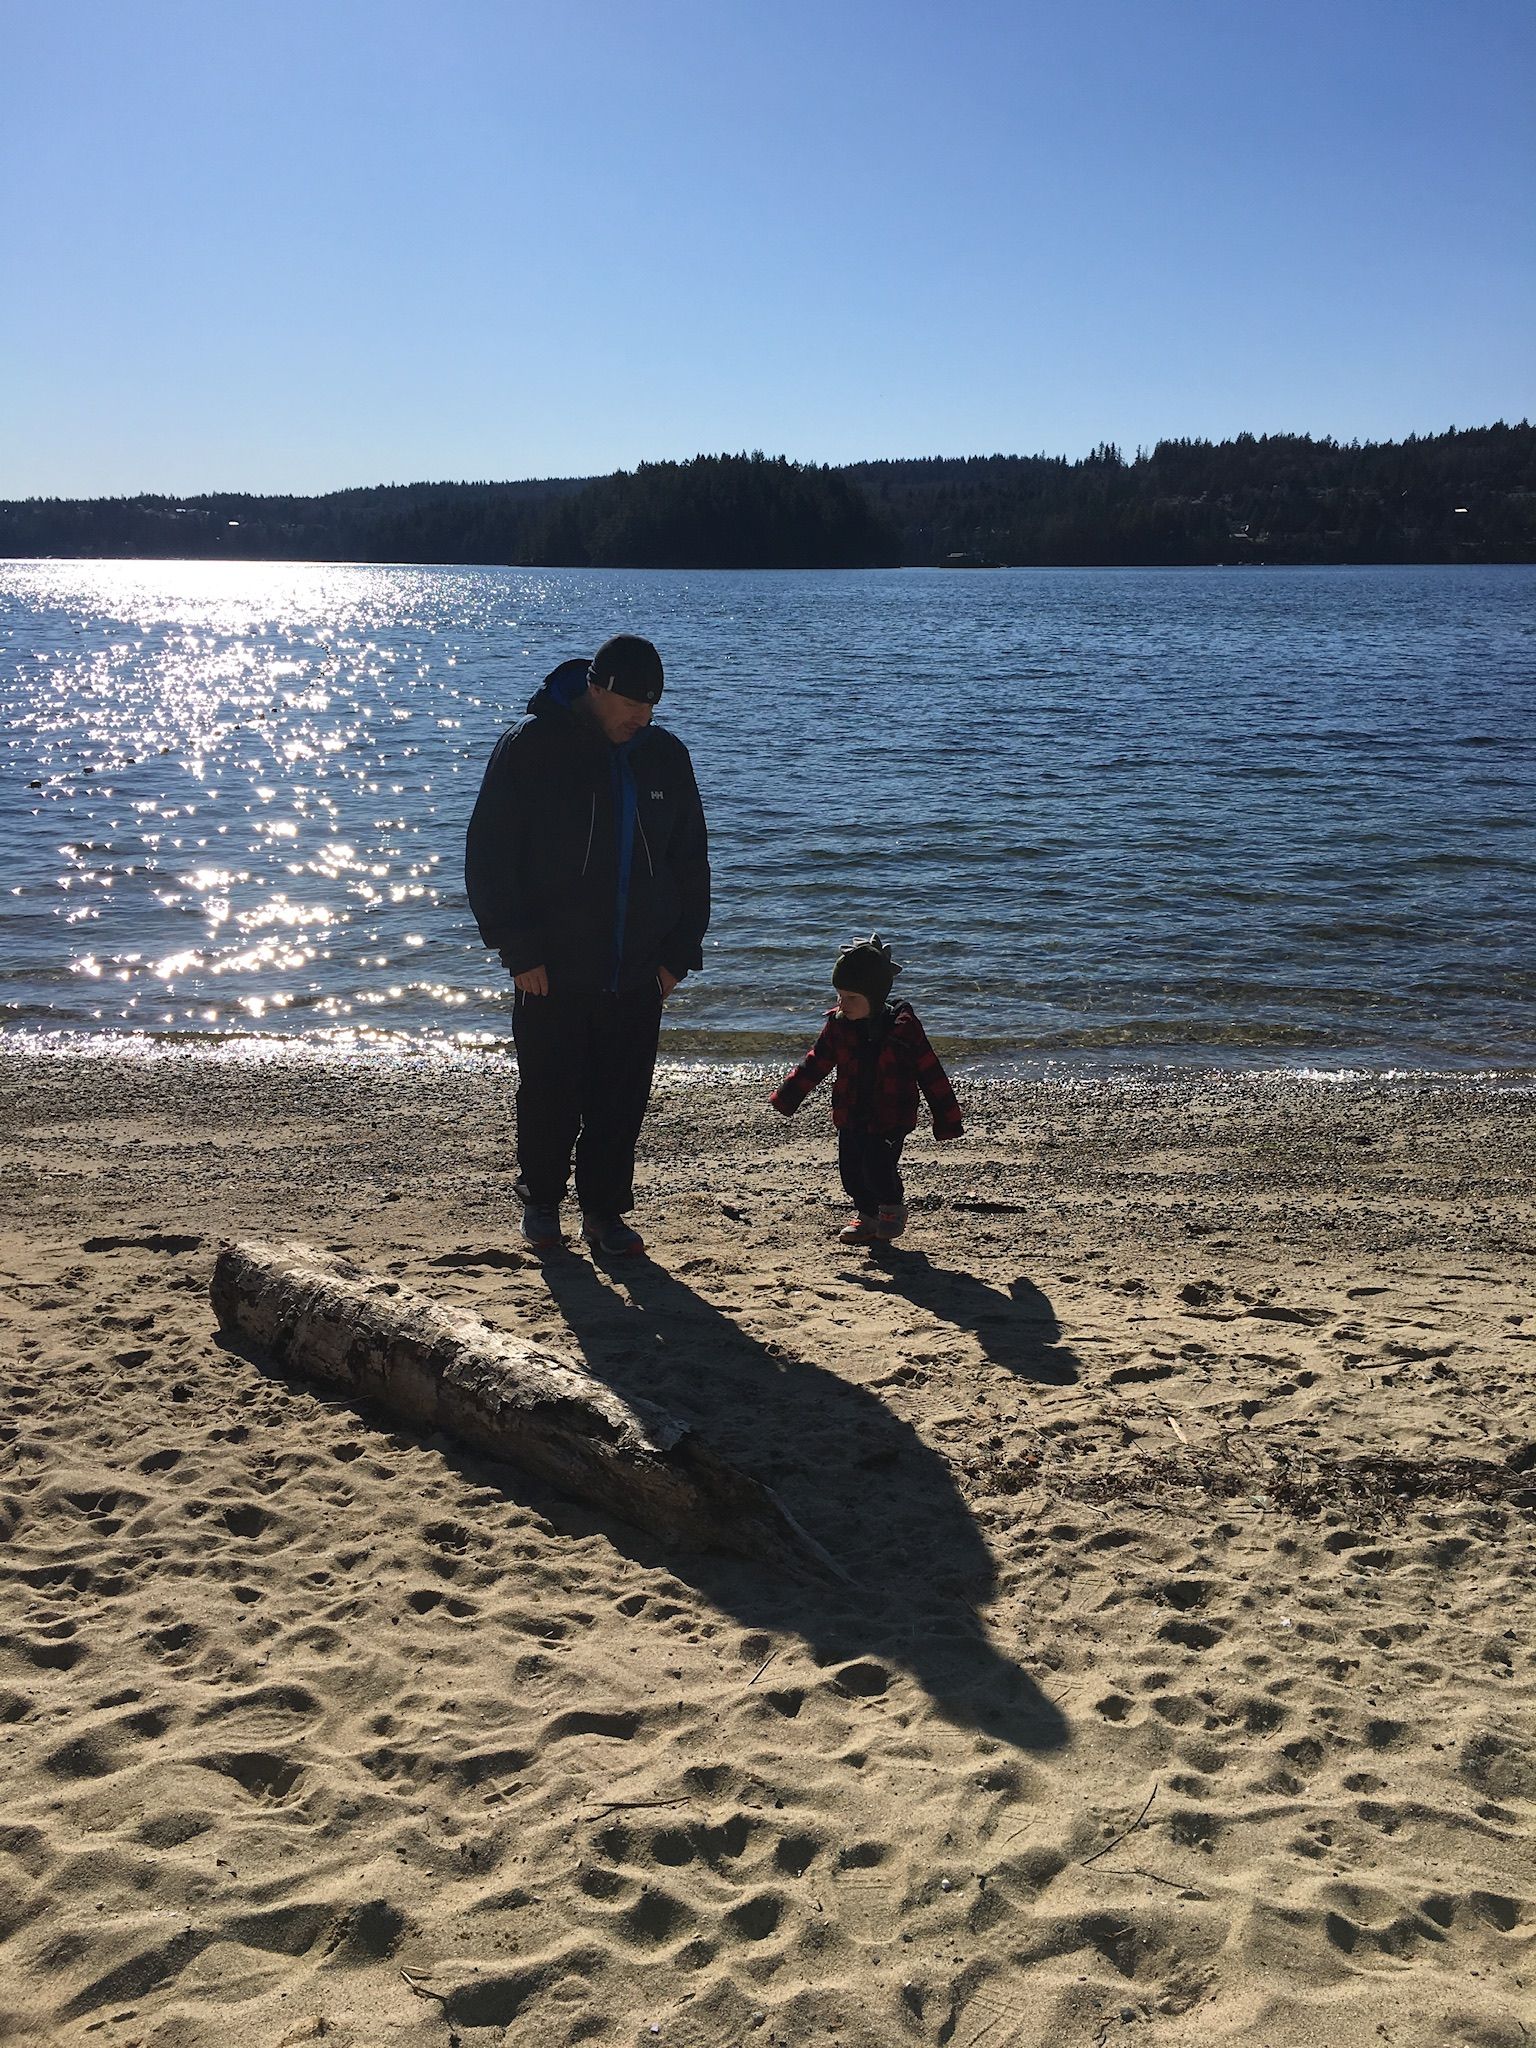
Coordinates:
x,y
341,526
1467,495
1458,496
716,512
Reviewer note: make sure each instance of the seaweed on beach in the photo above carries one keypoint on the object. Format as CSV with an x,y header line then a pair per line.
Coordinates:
x,y
1373,1486
1387,1484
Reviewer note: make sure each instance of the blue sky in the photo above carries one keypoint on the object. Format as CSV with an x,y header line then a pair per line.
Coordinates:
x,y
253,244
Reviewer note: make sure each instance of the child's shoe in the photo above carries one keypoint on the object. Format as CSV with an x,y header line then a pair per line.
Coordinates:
x,y
860,1229
891,1221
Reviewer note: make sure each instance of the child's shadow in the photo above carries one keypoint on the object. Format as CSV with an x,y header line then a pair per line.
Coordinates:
x,y
1017,1328
858,1478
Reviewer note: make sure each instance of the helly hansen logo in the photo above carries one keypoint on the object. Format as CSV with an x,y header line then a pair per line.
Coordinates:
x,y
657,795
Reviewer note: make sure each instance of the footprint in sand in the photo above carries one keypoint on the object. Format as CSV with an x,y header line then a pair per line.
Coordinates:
x,y
864,1679
656,1916
1194,1635
617,1727
757,1917
261,1773
283,1698
176,1638
716,1844
1186,1593
86,1757
1261,1716
1136,1375
246,1521
794,1854
44,1654
171,1830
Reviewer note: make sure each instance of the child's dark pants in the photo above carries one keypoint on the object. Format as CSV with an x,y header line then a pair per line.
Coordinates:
x,y
868,1162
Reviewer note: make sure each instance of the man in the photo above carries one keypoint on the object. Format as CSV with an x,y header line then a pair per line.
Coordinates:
x,y
587,868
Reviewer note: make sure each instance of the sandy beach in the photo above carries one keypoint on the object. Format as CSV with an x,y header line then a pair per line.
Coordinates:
x,y
1181,1462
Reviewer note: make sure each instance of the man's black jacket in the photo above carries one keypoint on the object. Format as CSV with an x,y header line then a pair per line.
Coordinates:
x,y
544,862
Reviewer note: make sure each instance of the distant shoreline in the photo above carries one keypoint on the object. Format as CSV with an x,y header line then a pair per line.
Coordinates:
x,y
1468,495
761,569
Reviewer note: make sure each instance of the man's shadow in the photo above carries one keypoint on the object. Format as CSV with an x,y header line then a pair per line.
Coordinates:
x,y
853,1474
1016,1328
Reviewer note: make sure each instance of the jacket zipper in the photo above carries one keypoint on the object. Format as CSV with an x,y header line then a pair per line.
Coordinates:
x,y
591,828
644,841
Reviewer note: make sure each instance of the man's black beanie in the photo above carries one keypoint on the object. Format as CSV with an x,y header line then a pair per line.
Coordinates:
x,y
866,969
629,665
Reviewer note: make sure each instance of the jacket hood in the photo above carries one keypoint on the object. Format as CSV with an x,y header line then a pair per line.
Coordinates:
x,y
892,1008
560,688
559,695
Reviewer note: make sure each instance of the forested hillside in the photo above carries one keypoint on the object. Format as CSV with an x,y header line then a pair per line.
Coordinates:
x,y
1461,496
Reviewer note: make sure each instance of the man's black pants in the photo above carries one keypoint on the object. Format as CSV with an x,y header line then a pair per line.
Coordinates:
x,y
869,1163
584,1064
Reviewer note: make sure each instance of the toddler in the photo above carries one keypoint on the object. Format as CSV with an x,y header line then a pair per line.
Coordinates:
x,y
882,1058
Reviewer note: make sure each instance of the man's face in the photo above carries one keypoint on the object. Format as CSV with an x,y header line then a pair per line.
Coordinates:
x,y
620,717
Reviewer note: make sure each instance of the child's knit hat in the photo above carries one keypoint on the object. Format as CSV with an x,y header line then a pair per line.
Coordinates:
x,y
866,969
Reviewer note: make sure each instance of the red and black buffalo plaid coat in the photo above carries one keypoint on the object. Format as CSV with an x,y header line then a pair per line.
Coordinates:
x,y
884,1100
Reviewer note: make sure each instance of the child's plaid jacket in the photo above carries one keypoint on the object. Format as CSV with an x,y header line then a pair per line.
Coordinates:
x,y
885,1101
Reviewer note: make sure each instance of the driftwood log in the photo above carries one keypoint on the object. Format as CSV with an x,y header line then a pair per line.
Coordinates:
x,y
445,1369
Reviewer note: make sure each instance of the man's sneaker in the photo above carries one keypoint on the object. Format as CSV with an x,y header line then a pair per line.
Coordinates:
x,y
892,1220
541,1227
860,1230
612,1237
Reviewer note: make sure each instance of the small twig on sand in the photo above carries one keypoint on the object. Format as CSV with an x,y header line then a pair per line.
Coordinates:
x,y
757,1674
1174,1883
628,1805
1135,1824
424,1990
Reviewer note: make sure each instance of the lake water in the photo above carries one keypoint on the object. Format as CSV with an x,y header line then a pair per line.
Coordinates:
x,y
1223,817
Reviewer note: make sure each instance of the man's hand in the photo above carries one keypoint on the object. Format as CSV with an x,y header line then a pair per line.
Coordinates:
x,y
533,981
666,981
